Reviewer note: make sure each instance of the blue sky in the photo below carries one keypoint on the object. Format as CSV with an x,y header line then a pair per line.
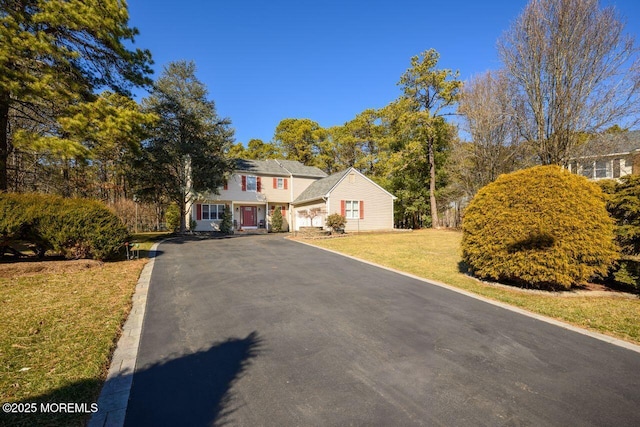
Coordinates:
x,y
264,61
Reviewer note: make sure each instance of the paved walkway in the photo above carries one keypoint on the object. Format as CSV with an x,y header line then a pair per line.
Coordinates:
x,y
264,331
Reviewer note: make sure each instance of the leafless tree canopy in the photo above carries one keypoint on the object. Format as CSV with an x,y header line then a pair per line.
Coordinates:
x,y
576,70
490,109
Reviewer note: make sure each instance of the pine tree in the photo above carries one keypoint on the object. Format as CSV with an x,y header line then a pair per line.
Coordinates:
x,y
185,154
59,53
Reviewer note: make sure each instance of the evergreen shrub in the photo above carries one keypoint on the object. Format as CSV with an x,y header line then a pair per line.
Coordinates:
x,y
539,227
276,220
336,222
623,204
226,226
172,217
75,228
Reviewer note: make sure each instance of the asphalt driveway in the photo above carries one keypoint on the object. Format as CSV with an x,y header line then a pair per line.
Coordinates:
x,y
263,331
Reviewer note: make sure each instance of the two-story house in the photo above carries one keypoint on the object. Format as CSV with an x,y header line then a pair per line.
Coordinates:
x,y
253,191
305,195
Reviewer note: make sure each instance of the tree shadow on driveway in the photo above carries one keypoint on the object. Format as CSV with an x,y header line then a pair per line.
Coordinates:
x,y
194,389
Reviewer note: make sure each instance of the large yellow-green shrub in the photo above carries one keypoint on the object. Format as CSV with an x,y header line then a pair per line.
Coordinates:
x,y
539,227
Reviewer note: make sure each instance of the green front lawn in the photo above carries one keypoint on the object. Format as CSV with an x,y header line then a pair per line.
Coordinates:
x,y
435,254
60,324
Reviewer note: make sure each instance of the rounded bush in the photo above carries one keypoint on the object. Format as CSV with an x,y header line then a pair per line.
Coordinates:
x,y
539,227
75,228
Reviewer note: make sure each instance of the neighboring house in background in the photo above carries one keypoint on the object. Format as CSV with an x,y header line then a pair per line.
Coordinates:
x,y
366,205
608,156
253,191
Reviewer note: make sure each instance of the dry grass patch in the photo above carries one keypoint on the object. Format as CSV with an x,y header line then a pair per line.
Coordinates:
x,y
60,321
435,254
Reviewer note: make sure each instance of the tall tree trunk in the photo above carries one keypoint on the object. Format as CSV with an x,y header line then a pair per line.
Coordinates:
x,y
4,140
432,187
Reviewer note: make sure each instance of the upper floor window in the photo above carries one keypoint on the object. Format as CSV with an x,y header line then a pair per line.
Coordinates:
x,y
280,183
252,183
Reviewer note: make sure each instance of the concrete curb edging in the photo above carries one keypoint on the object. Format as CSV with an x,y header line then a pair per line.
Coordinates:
x,y
596,335
114,397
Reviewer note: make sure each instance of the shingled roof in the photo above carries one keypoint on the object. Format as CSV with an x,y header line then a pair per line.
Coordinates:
x,y
278,168
609,144
321,187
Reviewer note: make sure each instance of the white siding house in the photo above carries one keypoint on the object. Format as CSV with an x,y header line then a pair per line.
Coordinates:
x,y
253,191
608,156
366,205
304,195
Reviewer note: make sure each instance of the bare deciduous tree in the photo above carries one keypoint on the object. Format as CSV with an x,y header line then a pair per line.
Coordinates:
x,y
490,109
575,69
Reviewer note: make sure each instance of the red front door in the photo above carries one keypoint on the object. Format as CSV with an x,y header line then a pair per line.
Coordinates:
x,y
249,216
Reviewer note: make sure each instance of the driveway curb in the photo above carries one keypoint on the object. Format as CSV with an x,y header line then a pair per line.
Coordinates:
x,y
596,335
114,397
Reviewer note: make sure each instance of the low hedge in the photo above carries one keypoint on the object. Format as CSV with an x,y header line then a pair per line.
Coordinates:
x,y
74,228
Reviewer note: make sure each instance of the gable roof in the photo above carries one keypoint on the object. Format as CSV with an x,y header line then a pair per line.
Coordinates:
x,y
323,187
610,144
278,168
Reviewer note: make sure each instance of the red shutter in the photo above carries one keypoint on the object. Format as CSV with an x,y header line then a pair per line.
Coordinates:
x,y
244,183
198,211
361,209
343,208
226,185
283,210
285,183
275,183
258,184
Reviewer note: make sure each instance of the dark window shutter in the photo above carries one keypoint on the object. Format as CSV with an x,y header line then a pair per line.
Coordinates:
x,y
244,183
258,184
361,209
283,210
285,183
343,208
198,211
275,183
226,185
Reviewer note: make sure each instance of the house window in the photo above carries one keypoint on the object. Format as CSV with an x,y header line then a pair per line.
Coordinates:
x,y
252,183
212,212
352,209
587,170
603,169
280,183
